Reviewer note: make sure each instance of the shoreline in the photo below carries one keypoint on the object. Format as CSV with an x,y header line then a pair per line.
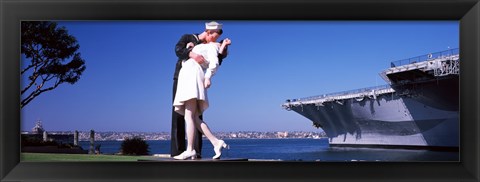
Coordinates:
x,y
204,138
112,136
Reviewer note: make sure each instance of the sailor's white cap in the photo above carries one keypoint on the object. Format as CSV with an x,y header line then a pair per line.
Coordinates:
x,y
213,25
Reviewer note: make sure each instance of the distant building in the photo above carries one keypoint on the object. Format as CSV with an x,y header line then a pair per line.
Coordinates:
x,y
38,128
282,134
40,141
39,133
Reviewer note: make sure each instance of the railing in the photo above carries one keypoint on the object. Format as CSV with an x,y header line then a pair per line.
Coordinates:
x,y
448,70
356,91
425,57
447,67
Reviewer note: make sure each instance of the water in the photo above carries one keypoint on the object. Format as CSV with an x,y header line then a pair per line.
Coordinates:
x,y
294,150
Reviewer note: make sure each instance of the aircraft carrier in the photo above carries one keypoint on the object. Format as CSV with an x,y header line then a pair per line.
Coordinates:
x,y
418,108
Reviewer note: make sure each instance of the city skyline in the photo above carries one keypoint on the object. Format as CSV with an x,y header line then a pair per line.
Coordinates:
x,y
120,136
127,85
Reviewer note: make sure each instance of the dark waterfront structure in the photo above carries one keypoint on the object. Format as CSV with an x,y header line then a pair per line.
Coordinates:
x,y
41,141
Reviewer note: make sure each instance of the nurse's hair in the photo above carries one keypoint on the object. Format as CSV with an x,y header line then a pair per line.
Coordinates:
x,y
219,31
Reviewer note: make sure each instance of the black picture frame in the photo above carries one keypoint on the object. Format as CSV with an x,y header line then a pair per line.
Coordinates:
x,y
13,12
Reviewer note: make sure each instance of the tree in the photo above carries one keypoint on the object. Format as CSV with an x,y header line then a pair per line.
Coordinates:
x,y
46,50
134,146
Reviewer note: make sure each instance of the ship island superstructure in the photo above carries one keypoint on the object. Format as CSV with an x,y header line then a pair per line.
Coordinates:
x,y
418,108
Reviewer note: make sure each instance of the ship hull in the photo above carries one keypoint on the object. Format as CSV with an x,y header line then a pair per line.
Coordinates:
x,y
411,120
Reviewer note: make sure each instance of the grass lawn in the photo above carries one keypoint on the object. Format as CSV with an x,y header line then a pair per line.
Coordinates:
x,y
45,157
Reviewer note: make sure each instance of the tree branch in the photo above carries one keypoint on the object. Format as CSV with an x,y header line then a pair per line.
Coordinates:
x,y
34,80
37,62
36,74
30,85
49,77
37,92
27,68
34,60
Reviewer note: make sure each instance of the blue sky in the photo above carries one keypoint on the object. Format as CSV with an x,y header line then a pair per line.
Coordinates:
x,y
127,85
